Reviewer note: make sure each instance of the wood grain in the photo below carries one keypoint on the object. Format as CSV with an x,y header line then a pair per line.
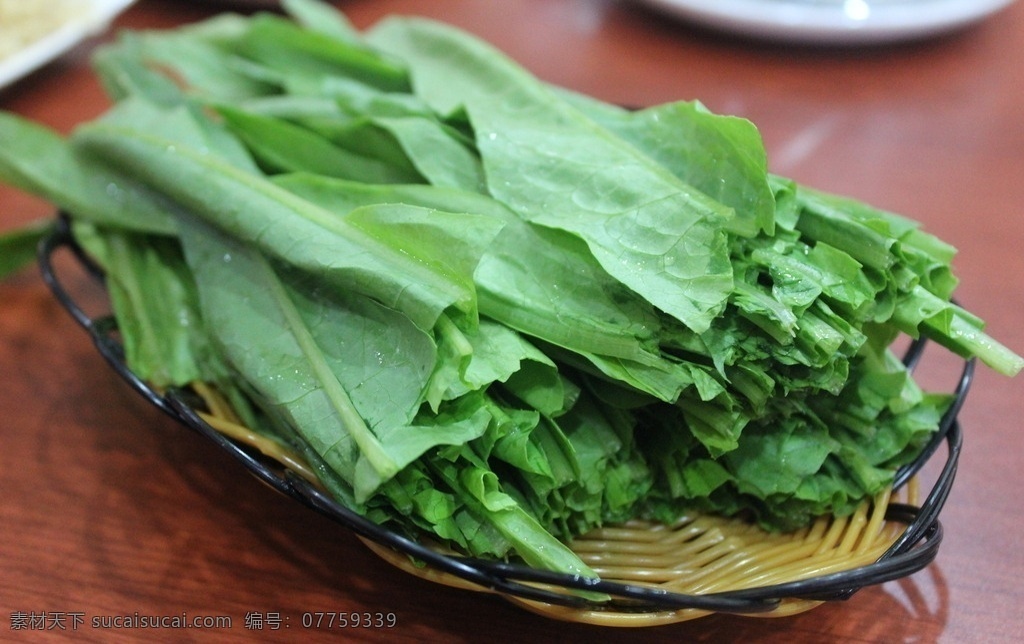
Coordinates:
x,y
108,507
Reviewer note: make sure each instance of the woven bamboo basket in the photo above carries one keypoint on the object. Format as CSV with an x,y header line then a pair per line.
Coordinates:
x,y
649,573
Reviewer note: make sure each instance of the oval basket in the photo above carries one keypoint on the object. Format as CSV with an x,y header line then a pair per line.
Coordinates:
x,y
650,573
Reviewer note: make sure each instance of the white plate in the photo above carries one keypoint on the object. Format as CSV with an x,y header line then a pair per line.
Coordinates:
x,y
93,20
833,21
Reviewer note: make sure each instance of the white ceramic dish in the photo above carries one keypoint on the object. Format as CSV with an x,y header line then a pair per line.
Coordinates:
x,y
93,20
833,21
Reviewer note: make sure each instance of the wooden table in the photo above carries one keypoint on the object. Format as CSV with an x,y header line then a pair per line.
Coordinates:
x,y
109,508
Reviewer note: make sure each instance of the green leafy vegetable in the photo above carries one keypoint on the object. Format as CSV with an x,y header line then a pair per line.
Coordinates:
x,y
553,166
488,310
18,248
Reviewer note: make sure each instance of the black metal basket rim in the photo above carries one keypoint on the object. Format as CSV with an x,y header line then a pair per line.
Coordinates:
x,y
914,550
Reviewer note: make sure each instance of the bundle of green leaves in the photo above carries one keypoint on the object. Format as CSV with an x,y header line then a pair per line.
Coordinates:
x,y
486,309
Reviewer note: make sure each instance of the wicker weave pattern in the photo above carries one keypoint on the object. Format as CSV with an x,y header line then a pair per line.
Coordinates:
x,y
701,554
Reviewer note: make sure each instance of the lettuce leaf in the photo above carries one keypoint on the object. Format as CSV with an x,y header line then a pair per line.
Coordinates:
x,y
486,310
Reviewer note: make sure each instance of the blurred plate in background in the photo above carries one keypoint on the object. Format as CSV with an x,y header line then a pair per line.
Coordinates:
x,y
832,21
37,31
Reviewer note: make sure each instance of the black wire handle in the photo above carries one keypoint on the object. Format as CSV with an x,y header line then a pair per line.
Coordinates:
x,y
914,550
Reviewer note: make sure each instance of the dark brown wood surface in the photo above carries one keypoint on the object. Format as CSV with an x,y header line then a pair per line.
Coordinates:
x,y
109,508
